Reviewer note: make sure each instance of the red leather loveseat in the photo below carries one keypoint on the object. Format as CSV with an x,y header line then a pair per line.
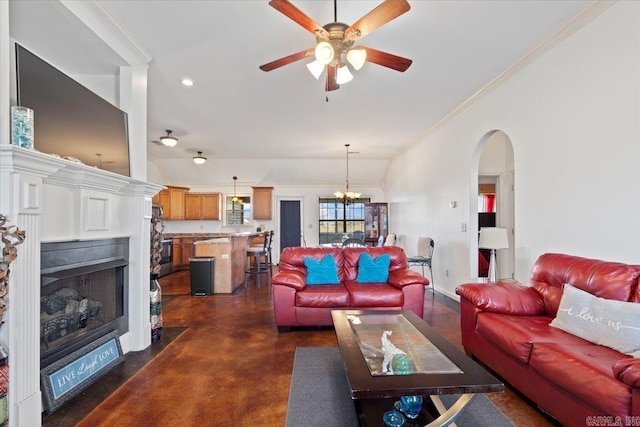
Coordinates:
x,y
506,326
297,304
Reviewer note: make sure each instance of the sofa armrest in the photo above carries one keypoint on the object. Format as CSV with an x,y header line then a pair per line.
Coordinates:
x,y
401,278
293,279
505,298
628,371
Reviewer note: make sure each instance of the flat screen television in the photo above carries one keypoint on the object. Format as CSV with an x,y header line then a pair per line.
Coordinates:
x,y
69,119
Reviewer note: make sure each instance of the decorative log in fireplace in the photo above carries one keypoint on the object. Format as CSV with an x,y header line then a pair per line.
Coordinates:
x,y
83,289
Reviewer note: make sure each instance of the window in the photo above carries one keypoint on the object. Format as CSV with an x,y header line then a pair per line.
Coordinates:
x,y
238,212
337,219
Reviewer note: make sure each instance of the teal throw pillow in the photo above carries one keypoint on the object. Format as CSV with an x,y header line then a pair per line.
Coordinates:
x,y
373,270
323,272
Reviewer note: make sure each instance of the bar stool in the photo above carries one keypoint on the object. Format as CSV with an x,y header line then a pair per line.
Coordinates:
x,y
258,259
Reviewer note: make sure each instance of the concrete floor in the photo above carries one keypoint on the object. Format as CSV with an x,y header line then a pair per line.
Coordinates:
x,y
222,362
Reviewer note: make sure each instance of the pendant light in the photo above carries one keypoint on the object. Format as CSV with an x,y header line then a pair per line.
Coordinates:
x,y
235,196
199,159
347,196
169,140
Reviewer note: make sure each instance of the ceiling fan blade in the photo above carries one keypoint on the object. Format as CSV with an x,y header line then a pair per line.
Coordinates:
x,y
287,60
298,16
388,60
332,73
383,13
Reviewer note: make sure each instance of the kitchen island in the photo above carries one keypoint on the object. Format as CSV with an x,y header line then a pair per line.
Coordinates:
x,y
229,250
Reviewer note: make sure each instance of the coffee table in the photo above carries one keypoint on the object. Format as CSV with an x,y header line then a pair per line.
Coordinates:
x,y
437,367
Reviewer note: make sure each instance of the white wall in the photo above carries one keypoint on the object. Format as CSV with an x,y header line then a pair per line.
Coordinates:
x,y
573,117
219,171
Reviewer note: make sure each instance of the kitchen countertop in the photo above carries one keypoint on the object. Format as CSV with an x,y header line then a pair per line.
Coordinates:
x,y
213,235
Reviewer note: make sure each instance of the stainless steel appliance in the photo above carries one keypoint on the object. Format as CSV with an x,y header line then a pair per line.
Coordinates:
x,y
166,259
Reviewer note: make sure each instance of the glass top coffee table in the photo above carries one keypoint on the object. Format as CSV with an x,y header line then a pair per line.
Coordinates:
x,y
389,354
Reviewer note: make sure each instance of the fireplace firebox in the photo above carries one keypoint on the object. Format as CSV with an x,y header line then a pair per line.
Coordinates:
x,y
83,294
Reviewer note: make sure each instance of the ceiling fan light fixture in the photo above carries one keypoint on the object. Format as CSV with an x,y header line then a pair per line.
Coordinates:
x,y
324,53
169,140
357,58
316,68
344,75
199,159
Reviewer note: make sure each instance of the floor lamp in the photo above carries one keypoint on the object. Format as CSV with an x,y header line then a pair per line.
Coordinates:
x,y
493,238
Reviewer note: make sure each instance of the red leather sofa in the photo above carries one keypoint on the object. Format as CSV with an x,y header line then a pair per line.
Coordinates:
x,y
297,304
506,326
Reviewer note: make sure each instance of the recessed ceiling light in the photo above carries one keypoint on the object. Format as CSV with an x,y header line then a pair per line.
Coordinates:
x,y
187,82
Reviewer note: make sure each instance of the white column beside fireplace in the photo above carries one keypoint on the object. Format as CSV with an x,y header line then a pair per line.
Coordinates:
x,y
53,200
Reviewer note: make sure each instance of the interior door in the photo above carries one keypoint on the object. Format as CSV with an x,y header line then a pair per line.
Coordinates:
x,y
290,223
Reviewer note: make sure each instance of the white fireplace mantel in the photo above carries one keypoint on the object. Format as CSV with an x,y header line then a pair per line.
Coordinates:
x,y
53,199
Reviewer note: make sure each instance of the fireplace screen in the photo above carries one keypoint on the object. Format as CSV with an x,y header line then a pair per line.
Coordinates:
x,y
78,302
83,294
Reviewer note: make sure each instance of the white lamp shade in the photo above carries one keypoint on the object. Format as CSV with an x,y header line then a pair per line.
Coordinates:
x,y
344,75
169,141
493,238
199,159
357,58
316,68
324,52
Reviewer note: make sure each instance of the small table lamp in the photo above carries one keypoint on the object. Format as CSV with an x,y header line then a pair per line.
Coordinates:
x,y
493,238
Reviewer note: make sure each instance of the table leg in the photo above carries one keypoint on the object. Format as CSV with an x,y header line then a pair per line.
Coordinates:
x,y
448,415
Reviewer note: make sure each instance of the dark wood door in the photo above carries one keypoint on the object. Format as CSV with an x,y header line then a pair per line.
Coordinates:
x,y
290,223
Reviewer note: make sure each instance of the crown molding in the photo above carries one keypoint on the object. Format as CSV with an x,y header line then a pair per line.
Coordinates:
x,y
572,24
97,10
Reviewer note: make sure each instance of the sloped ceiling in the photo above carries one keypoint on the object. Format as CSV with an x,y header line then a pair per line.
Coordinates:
x,y
236,111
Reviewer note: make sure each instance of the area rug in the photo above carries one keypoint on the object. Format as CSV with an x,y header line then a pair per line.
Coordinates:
x,y
319,395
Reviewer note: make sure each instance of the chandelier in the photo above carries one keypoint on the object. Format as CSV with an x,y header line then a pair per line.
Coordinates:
x,y
347,196
235,199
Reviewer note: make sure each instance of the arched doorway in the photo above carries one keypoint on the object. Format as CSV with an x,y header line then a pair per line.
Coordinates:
x,y
493,194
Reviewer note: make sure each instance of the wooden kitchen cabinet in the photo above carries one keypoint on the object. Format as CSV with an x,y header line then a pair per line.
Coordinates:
x,y
162,199
176,202
157,198
262,203
202,206
182,250
187,249
172,201
177,253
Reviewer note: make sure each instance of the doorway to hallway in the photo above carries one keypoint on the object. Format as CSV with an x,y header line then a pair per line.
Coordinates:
x,y
496,198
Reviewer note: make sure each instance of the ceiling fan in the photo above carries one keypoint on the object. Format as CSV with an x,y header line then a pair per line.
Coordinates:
x,y
335,42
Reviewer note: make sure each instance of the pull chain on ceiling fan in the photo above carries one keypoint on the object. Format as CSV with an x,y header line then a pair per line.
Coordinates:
x,y
334,41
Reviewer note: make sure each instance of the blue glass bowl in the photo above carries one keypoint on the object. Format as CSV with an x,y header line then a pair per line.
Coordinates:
x,y
411,405
393,419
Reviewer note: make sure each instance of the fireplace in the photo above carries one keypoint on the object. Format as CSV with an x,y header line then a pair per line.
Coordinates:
x,y
83,294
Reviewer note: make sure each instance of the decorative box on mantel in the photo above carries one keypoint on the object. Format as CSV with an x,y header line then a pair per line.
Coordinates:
x,y
55,200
